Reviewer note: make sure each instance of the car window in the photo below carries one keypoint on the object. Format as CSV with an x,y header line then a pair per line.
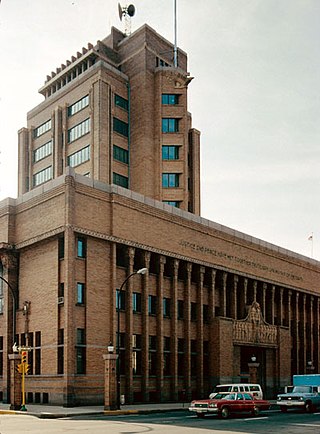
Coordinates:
x,y
254,388
239,396
230,396
246,388
241,388
236,389
248,397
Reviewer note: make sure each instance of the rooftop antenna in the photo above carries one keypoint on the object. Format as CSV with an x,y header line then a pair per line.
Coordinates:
x,y
175,50
127,12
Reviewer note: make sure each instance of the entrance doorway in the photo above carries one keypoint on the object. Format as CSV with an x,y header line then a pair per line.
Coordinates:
x,y
249,354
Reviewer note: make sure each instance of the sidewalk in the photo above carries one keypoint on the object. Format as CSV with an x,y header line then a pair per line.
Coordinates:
x,y
54,412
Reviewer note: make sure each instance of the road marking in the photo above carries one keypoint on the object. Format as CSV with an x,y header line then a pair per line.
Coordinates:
x,y
256,418
306,424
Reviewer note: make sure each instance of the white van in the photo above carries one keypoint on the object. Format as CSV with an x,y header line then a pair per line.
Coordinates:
x,y
254,389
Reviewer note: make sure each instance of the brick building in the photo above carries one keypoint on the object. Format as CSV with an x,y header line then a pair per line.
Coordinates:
x,y
109,183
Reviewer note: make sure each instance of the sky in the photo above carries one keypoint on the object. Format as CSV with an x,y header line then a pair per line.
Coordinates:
x,y
254,97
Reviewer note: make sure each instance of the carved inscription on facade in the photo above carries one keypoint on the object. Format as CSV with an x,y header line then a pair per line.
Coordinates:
x,y
254,330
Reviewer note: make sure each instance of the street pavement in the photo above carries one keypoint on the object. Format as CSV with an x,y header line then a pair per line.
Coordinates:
x,y
54,411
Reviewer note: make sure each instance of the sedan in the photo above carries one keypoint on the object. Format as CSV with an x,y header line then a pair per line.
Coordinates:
x,y
225,404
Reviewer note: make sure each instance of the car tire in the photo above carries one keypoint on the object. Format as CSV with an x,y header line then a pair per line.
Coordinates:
x,y
309,407
225,412
255,411
200,415
283,408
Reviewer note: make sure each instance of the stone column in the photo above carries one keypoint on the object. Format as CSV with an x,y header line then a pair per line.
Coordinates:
x,y
281,307
255,285
289,310
15,382
162,261
187,332
311,337
145,331
272,304
297,343
129,329
110,381
174,331
304,334
224,294
234,304
200,331
245,296
263,307
212,305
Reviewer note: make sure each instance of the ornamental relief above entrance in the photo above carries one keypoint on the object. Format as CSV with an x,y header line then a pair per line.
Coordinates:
x,y
254,329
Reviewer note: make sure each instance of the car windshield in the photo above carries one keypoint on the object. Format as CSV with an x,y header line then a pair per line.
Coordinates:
x,y
302,389
224,396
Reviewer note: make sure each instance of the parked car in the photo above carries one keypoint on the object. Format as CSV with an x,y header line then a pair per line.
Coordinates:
x,y
224,404
254,389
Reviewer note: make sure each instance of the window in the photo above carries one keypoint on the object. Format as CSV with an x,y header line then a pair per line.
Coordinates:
x,y
152,305
122,354
181,357
180,309
79,157
152,355
170,125
193,356
61,290
79,130
120,300
205,313
160,62
170,152
42,176
121,102
81,247
81,352
170,180
170,99
120,154
193,312
136,354
166,307
37,364
166,356
136,302
41,129
80,293
120,127
174,203
79,105
42,152
61,248
120,180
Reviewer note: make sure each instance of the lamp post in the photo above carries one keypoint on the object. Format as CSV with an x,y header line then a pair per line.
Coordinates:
x,y
141,271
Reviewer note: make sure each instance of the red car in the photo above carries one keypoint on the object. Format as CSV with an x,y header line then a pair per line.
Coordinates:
x,y
224,404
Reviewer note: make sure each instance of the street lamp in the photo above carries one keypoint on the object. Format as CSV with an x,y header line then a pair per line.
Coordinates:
x,y
141,271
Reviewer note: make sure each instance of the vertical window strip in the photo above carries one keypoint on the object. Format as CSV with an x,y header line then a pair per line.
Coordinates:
x,y
121,102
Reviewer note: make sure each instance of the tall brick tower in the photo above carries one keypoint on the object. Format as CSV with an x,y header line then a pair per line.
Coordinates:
x,y
117,113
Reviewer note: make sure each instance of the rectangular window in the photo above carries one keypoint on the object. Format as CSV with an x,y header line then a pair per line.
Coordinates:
x,y
80,293
152,355
81,247
136,354
121,102
120,300
170,180
174,203
42,152
79,130
152,305
120,154
61,248
166,356
170,99
81,352
122,353
60,351
120,180
205,313
79,105
181,357
42,176
170,125
193,312
136,302
79,157
170,152
180,309
120,127
193,357
37,362
166,307
41,129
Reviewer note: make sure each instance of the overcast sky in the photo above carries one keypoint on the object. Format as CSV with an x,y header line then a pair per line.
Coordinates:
x,y
255,98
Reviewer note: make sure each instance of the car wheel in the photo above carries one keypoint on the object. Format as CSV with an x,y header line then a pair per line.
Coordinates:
x,y
283,408
201,415
225,412
255,411
309,407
